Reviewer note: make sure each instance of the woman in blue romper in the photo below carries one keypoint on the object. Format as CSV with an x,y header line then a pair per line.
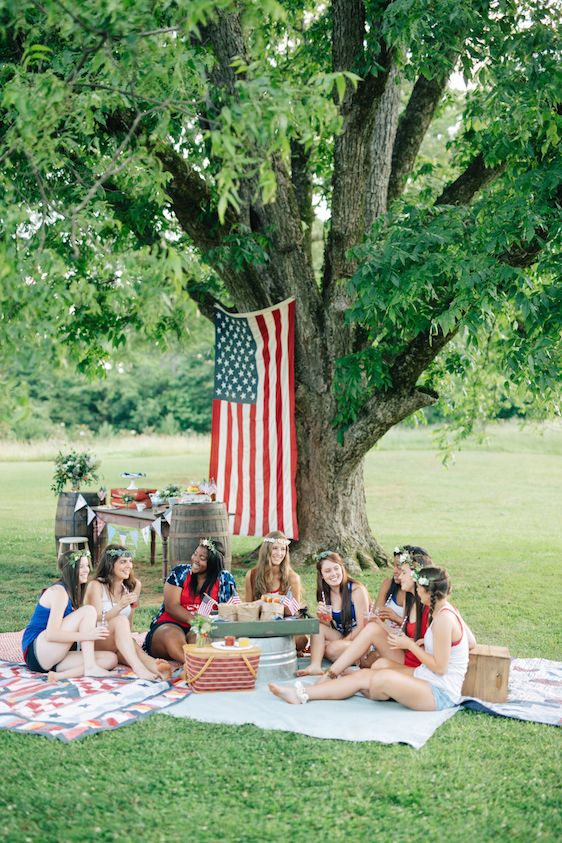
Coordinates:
x,y
348,600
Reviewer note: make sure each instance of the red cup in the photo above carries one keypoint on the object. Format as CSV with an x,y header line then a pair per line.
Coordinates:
x,y
229,640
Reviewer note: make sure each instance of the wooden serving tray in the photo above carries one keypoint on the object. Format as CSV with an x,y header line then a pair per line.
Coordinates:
x,y
265,629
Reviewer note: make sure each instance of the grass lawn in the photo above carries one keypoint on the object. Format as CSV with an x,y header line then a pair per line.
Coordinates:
x,y
493,518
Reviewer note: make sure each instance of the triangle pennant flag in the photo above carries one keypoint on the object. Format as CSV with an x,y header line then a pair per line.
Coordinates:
x,y
157,526
123,538
145,531
134,534
167,516
99,526
91,515
80,503
110,533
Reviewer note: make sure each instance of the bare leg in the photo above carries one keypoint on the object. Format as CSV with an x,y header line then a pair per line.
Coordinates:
x,y
334,689
387,664
50,653
160,667
372,633
120,639
377,685
107,661
167,642
318,645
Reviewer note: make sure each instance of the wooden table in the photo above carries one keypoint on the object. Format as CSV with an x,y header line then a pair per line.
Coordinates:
x,y
139,520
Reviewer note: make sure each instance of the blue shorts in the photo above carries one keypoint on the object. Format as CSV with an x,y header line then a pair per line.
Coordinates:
x,y
147,643
442,699
31,660
33,663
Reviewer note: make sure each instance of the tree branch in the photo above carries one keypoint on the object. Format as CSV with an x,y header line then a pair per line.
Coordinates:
x,y
302,183
476,176
412,127
352,147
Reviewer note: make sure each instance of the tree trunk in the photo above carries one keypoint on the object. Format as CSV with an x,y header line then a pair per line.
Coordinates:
x,y
331,512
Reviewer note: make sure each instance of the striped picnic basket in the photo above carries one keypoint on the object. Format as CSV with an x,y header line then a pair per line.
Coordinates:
x,y
209,669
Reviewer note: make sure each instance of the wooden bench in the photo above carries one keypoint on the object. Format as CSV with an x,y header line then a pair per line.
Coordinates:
x,y
487,676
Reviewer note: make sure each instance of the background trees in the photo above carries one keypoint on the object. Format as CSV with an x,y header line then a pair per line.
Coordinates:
x,y
185,147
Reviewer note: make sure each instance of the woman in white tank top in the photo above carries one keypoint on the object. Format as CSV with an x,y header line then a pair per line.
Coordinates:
x,y
435,685
114,592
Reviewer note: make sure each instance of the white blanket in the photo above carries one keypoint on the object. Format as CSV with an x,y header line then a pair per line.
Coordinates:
x,y
355,719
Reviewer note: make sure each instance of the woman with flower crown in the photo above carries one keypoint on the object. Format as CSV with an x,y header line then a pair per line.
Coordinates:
x,y
434,685
349,603
273,573
114,593
60,622
391,598
184,591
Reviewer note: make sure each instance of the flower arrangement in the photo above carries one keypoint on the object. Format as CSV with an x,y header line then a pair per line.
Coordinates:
x,y
74,468
202,626
170,491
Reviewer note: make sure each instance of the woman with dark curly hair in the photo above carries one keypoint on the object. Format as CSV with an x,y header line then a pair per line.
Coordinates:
x,y
183,593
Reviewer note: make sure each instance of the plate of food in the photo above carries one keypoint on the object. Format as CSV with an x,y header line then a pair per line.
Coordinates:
x,y
221,645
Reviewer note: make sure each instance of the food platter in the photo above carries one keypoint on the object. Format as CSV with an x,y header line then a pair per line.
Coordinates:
x,y
220,645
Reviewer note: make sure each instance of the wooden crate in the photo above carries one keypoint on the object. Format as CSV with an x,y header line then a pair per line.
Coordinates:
x,y
487,676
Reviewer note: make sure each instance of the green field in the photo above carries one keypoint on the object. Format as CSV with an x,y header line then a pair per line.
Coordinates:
x,y
493,517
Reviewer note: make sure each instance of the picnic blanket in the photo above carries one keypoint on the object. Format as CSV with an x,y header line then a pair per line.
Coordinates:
x,y
74,708
535,693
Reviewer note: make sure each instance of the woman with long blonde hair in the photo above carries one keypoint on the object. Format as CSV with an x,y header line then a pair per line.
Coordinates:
x,y
273,573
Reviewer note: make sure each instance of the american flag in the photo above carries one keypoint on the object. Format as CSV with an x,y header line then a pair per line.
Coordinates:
x,y
291,603
234,599
253,438
207,606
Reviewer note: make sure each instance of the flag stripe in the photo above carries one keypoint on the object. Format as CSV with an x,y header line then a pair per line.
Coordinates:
x,y
293,431
253,449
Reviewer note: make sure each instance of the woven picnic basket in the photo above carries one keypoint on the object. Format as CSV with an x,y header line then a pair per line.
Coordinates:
x,y
208,669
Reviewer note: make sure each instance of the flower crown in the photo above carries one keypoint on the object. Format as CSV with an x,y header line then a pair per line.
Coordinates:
x,y
77,556
116,552
273,540
420,580
325,554
208,543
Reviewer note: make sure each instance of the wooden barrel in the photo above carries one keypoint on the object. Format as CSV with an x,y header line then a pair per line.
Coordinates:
x,y
193,521
70,523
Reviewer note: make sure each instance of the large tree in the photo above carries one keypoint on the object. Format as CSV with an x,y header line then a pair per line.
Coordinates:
x,y
153,149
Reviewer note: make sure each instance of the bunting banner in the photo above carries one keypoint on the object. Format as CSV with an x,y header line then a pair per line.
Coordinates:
x,y
145,534
110,533
80,503
253,436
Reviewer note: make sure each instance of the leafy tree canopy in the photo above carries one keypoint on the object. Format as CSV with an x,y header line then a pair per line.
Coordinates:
x,y
107,106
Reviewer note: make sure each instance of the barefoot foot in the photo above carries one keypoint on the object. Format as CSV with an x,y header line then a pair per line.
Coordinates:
x,y
311,670
284,692
98,671
164,669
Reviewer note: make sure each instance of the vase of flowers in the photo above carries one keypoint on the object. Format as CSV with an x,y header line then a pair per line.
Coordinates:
x,y
202,626
74,469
